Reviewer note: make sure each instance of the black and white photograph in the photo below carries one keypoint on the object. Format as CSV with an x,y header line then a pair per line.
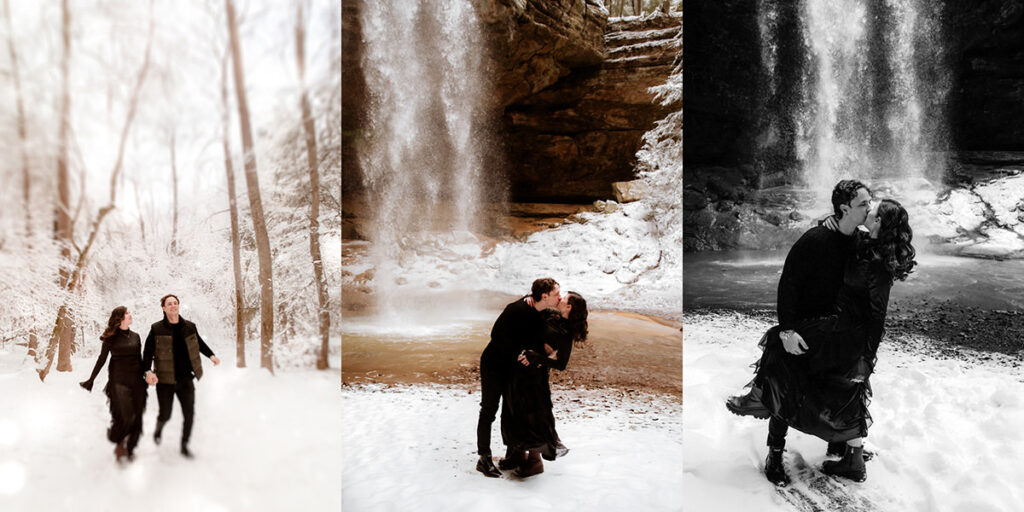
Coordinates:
x,y
854,255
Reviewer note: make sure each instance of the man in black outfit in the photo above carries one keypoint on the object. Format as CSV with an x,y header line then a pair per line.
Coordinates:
x,y
518,324
810,282
175,344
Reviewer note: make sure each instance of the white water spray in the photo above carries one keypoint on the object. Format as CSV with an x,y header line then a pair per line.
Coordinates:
x,y
871,99
422,153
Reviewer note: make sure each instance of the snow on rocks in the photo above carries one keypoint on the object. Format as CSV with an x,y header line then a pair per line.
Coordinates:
x,y
983,220
946,431
414,448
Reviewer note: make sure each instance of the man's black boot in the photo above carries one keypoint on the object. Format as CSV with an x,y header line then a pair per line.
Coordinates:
x,y
748,405
838,449
158,433
850,466
486,466
185,452
774,469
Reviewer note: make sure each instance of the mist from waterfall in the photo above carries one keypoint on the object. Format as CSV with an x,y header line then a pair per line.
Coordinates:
x,y
870,99
421,154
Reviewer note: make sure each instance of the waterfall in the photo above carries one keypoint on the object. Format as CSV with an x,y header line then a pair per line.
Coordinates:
x,y
421,155
869,98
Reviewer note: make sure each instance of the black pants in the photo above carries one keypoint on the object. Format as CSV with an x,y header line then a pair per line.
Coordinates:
x,y
492,386
186,397
127,403
777,430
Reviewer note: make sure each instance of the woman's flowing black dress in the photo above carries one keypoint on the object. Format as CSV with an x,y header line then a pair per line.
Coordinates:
x,y
825,392
126,386
530,423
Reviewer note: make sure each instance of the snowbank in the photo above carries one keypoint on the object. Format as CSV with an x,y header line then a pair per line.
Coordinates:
x,y
414,448
947,432
261,442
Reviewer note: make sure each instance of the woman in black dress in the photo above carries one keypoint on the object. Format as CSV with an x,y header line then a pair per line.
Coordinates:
x,y
530,425
825,391
126,386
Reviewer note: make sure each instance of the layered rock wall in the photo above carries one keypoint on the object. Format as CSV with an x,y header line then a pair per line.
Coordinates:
x,y
571,140
569,94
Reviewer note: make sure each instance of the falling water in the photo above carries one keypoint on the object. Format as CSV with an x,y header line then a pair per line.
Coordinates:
x,y
421,157
870,100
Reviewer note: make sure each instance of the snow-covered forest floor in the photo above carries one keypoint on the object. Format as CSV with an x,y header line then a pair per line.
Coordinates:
x,y
261,443
414,448
947,431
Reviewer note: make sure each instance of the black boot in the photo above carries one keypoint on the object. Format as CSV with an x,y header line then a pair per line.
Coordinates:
x,y
158,433
486,466
774,469
184,451
748,405
838,449
850,466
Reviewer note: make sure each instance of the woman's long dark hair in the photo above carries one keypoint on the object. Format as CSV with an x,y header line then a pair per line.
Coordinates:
x,y
116,316
893,246
577,318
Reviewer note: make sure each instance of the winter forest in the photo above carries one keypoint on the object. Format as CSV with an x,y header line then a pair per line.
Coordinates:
x,y
149,152
153,148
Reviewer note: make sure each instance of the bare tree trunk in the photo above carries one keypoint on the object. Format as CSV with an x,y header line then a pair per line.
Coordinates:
x,y
255,204
174,186
323,314
229,168
63,323
64,329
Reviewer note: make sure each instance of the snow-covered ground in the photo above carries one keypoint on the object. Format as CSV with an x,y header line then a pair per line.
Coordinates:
x,y
414,448
261,442
947,432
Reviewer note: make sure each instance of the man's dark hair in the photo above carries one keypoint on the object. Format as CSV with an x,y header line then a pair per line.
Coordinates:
x,y
169,295
843,193
542,286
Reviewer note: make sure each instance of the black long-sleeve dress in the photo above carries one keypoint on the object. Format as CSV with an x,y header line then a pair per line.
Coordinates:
x,y
126,385
825,392
530,423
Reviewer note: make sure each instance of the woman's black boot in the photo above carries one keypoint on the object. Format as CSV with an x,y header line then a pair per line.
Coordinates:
x,y
850,466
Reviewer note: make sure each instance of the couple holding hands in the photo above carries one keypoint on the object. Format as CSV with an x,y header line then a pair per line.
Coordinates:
x,y
174,345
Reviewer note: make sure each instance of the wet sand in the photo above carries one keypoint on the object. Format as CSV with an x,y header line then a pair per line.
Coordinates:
x,y
626,351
